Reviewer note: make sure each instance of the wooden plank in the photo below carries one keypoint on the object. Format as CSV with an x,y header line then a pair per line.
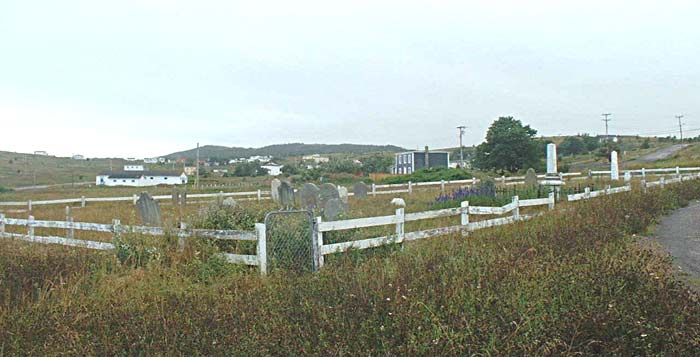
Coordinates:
x,y
534,202
490,223
447,212
432,233
241,259
485,210
357,223
357,244
223,234
83,226
62,241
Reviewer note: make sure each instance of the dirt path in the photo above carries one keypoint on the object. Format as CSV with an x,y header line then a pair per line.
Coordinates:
x,y
658,155
679,234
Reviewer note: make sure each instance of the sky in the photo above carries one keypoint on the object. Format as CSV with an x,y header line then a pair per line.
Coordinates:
x,y
149,77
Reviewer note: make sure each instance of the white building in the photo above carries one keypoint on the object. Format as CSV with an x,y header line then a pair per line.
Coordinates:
x,y
273,169
259,158
316,158
78,157
141,178
150,160
133,168
41,153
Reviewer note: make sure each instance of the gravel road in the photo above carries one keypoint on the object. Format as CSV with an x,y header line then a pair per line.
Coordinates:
x,y
679,234
658,155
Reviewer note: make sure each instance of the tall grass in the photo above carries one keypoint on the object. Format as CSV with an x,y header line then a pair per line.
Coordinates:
x,y
572,281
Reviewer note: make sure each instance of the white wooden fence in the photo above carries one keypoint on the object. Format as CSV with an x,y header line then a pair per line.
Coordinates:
x,y
117,229
249,196
400,218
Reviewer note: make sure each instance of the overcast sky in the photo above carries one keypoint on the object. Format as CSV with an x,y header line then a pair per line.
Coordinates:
x,y
148,77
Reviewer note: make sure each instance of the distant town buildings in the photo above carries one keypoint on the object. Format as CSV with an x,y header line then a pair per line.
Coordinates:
x,y
78,157
316,158
133,168
41,153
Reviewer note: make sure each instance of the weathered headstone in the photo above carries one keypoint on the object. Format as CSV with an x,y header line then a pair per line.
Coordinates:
x,y
530,178
229,201
176,197
327,192
628,176
360,190
274,189
614,167
332,209
343,193
149,210
286,194
309,195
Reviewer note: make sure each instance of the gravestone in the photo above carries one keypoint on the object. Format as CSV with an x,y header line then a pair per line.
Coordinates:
x,y
149,210
309,196
332,209
229,202
327,192
628,176
360,190
286,194
176,197
614,167
274,189
530,178
343,193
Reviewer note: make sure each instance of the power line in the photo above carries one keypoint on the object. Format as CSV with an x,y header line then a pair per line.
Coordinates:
x,y
461,150
680,125
606,120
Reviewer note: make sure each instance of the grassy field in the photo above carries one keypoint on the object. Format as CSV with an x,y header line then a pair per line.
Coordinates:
x,y
575,281
686,157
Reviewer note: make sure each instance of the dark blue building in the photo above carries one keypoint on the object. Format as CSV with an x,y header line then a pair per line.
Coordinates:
x,y
410,161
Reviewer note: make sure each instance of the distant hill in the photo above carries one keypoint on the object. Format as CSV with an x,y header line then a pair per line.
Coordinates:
x,y
281,150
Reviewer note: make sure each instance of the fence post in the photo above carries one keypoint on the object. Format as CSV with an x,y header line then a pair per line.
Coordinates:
x,y
135,199
30,226
181,234
678,172
71,229
410,187
644,186
607,189
628,186
551,200
2,225
400,224
262,247
442,186
259,195
503,179
644,174
82,201
465,217
116,229
319,241
473,181
587,193
516,210
374,190
663,182
29,205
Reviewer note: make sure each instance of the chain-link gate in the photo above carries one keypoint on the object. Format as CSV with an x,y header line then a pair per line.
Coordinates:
x,y
291,241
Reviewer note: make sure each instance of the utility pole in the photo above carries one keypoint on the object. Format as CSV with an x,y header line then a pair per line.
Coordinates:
x,y
461,150
197,179
606,120
680,125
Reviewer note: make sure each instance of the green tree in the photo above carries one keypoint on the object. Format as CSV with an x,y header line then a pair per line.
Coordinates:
x,y
590,142
509,146
249,169
376,163
572,145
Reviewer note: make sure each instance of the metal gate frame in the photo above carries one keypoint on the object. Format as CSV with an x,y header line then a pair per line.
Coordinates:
x,y
312,233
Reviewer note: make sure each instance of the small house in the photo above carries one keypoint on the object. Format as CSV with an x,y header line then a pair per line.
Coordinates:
x,y
411,161
141,178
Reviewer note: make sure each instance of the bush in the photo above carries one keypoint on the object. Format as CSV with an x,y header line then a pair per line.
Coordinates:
x,y
430,174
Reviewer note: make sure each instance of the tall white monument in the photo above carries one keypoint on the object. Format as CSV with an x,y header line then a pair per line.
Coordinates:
x,y
614,168
551,160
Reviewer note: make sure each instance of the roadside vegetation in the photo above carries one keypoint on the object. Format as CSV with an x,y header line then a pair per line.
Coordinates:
x,y
575,280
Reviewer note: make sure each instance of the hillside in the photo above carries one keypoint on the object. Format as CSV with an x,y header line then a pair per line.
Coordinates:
x,y
281,150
